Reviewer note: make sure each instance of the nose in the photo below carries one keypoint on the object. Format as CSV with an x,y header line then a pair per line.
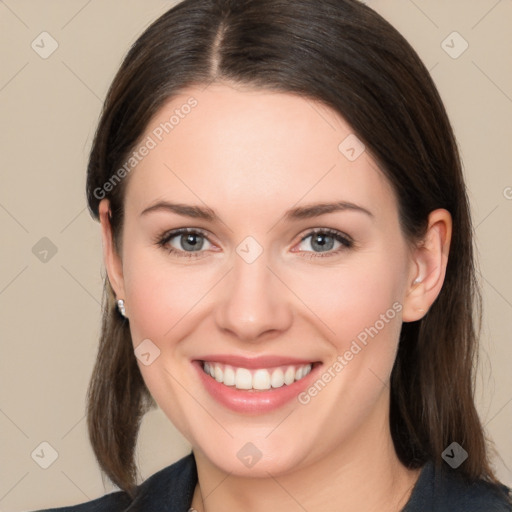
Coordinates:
x,y
255,304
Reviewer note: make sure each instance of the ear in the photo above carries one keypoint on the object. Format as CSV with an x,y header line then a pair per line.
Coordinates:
x,y
430,258
111,258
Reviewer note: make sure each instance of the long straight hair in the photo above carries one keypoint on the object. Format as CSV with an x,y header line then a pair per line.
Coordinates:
x,y
345,55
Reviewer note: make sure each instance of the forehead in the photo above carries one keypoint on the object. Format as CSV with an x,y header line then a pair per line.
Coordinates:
x,y
245,148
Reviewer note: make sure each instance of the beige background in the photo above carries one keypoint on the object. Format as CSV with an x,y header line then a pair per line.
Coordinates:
x,y
50,310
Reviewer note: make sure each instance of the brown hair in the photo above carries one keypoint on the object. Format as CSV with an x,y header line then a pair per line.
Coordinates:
x,y
341,53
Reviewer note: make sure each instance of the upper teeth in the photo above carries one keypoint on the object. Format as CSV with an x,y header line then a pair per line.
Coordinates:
x,y
242,378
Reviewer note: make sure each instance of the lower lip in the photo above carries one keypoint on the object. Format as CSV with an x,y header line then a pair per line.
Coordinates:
x,y
257,402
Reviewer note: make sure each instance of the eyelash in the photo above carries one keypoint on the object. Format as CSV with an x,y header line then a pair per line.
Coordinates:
x,y
163,240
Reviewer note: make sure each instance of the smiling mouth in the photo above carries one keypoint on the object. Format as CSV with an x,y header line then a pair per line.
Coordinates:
x,y
260,379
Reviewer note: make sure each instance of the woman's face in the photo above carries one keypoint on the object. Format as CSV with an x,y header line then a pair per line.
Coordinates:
x,y
269,277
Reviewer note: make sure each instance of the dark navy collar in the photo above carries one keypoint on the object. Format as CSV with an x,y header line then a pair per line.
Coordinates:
x,y
438,489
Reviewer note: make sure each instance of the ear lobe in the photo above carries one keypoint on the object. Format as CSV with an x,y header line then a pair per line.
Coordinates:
x,y
111,258
430,261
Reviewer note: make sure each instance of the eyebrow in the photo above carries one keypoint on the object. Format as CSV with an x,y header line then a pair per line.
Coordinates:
x,y
298,213
315,210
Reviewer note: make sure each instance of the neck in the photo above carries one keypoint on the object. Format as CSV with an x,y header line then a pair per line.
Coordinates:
x,y
363,473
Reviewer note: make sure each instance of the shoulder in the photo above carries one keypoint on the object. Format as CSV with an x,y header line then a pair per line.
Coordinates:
x,y
168,490
445,490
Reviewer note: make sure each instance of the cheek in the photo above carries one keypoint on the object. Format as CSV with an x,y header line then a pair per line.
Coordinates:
x,y
358,308
160,295
162,301
351,298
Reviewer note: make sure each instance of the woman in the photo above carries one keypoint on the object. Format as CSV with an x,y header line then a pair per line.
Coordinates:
x,y
288,246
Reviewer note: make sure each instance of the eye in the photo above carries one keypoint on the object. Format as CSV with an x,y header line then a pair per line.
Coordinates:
x,y
190,243
184,242
324,241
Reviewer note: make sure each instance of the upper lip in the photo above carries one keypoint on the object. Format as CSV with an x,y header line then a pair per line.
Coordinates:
x,y
268,361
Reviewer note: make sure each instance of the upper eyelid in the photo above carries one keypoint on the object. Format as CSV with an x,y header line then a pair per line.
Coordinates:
x,y
329,231
173,233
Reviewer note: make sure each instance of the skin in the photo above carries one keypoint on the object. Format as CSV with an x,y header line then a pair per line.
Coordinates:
x,y
250,155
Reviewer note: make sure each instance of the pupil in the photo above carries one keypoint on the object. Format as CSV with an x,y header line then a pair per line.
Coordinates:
x,y
320,241
191,241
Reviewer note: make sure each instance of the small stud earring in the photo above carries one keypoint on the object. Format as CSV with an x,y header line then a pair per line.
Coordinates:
x,y
121,308
417,280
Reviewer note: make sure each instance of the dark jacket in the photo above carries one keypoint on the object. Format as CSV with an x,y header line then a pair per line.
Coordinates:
x,y
171,490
